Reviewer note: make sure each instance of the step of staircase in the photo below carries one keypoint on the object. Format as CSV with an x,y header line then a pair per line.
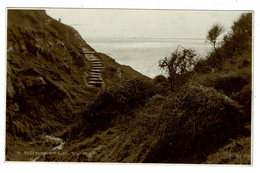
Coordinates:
x,y
87,51
96,71
97,84
95,59
95,75
95,79
96,62
97,65
93,56
97,68
94,82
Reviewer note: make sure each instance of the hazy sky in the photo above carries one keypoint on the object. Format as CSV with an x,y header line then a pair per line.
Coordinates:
x,y
143,23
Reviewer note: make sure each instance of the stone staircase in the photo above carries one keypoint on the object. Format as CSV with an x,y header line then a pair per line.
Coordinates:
x,y
95,78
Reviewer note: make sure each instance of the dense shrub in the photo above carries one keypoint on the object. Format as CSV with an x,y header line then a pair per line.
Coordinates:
x,y
160,79
195,121
125,98
116,101
162,82
203,66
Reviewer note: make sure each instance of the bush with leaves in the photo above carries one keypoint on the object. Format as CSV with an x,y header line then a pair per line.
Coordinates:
x,y
178,65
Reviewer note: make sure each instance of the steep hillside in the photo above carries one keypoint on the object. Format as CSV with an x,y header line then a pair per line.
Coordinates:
x,y
47,78
54,114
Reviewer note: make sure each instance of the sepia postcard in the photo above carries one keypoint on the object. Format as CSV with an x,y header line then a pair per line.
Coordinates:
x,y
129,86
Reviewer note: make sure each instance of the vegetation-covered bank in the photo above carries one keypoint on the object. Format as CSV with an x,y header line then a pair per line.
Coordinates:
x,y
200,116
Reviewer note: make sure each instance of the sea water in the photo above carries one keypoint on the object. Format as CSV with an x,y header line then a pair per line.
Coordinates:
x,y
144,55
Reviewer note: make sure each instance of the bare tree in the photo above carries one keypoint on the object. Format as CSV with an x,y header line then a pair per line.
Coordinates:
x,y
178,64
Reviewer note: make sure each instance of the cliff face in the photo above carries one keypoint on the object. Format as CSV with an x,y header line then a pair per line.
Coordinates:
x,y
47,75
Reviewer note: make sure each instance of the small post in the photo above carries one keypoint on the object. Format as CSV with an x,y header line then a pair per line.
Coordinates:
x,y
60,20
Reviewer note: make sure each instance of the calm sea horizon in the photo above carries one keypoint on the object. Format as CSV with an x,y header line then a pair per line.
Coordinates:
x,y
143,54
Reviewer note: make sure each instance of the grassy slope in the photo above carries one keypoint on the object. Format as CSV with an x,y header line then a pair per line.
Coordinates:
x,y
46,90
